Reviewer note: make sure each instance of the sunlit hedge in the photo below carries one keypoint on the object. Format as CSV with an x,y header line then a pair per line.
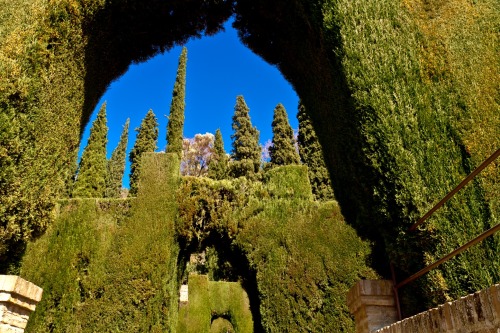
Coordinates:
x,y
111,265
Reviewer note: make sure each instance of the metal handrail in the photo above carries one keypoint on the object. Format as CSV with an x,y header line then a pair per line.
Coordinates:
x,y
456,189
455,252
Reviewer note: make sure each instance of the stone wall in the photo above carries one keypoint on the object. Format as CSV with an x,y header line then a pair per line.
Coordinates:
x,y
475,313
373,306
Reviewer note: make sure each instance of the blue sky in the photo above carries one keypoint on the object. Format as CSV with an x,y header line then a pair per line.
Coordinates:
x,y
219,68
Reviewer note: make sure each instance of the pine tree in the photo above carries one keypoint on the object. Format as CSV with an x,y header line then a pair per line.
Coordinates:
x,y
147,137
176,118
116,165
246,149
282,151
91,178
311,153
217,169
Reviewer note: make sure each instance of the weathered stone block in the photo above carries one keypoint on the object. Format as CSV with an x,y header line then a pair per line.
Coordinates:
x,y
372,304
18,299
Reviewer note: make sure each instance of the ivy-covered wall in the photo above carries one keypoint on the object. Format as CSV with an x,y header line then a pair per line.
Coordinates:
x,y
404,97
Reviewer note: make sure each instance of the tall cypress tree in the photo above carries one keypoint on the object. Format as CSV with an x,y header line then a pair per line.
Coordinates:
x,y
91,178
246,149
311,153
282,152
176,118
217,169
147,137
116,165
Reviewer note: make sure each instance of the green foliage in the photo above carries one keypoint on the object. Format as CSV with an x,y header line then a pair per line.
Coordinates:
x,y
304,257
209,299
56,60
108,268
218,167
229,299
414,150
288,182
311,154
175,125
403,95
206,206
195,316
92,171
147,138
116,165
246,149
282,152
75,253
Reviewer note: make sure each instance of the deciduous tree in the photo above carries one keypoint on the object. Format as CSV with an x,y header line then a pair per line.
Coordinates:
x,y
196,154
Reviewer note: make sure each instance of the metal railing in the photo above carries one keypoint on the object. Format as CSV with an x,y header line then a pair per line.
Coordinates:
x,y
455,252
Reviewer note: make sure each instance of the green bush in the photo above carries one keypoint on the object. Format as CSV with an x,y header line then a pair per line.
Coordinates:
x,y
69,261
301,255
289,182
306,259
212,299
110,270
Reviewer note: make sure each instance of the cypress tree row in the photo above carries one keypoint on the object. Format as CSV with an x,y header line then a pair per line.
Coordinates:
x,y
176,118
246,149
91,178
116,165
147,137
282,151
311,153
217,169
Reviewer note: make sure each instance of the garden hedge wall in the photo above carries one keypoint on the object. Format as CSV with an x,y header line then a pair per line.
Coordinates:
x,y
404,97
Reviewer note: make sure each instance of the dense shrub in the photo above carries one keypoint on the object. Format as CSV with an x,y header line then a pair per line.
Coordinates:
x,y
304,257
105,271
209,300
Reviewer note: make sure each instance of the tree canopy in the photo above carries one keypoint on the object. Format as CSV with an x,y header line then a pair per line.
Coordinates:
x,y
282,151
218,166
91,178
246,149
197,153
175,125
116,165
146,141
311,153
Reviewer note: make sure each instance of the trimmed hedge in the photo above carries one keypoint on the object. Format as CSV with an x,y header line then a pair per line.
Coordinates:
x,y
301,255
209,300
109,270
289,182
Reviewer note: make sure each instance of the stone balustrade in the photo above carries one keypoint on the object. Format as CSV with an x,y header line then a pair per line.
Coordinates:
x,y
373,306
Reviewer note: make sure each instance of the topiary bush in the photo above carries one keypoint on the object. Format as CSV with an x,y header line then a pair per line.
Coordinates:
x,y
108,267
